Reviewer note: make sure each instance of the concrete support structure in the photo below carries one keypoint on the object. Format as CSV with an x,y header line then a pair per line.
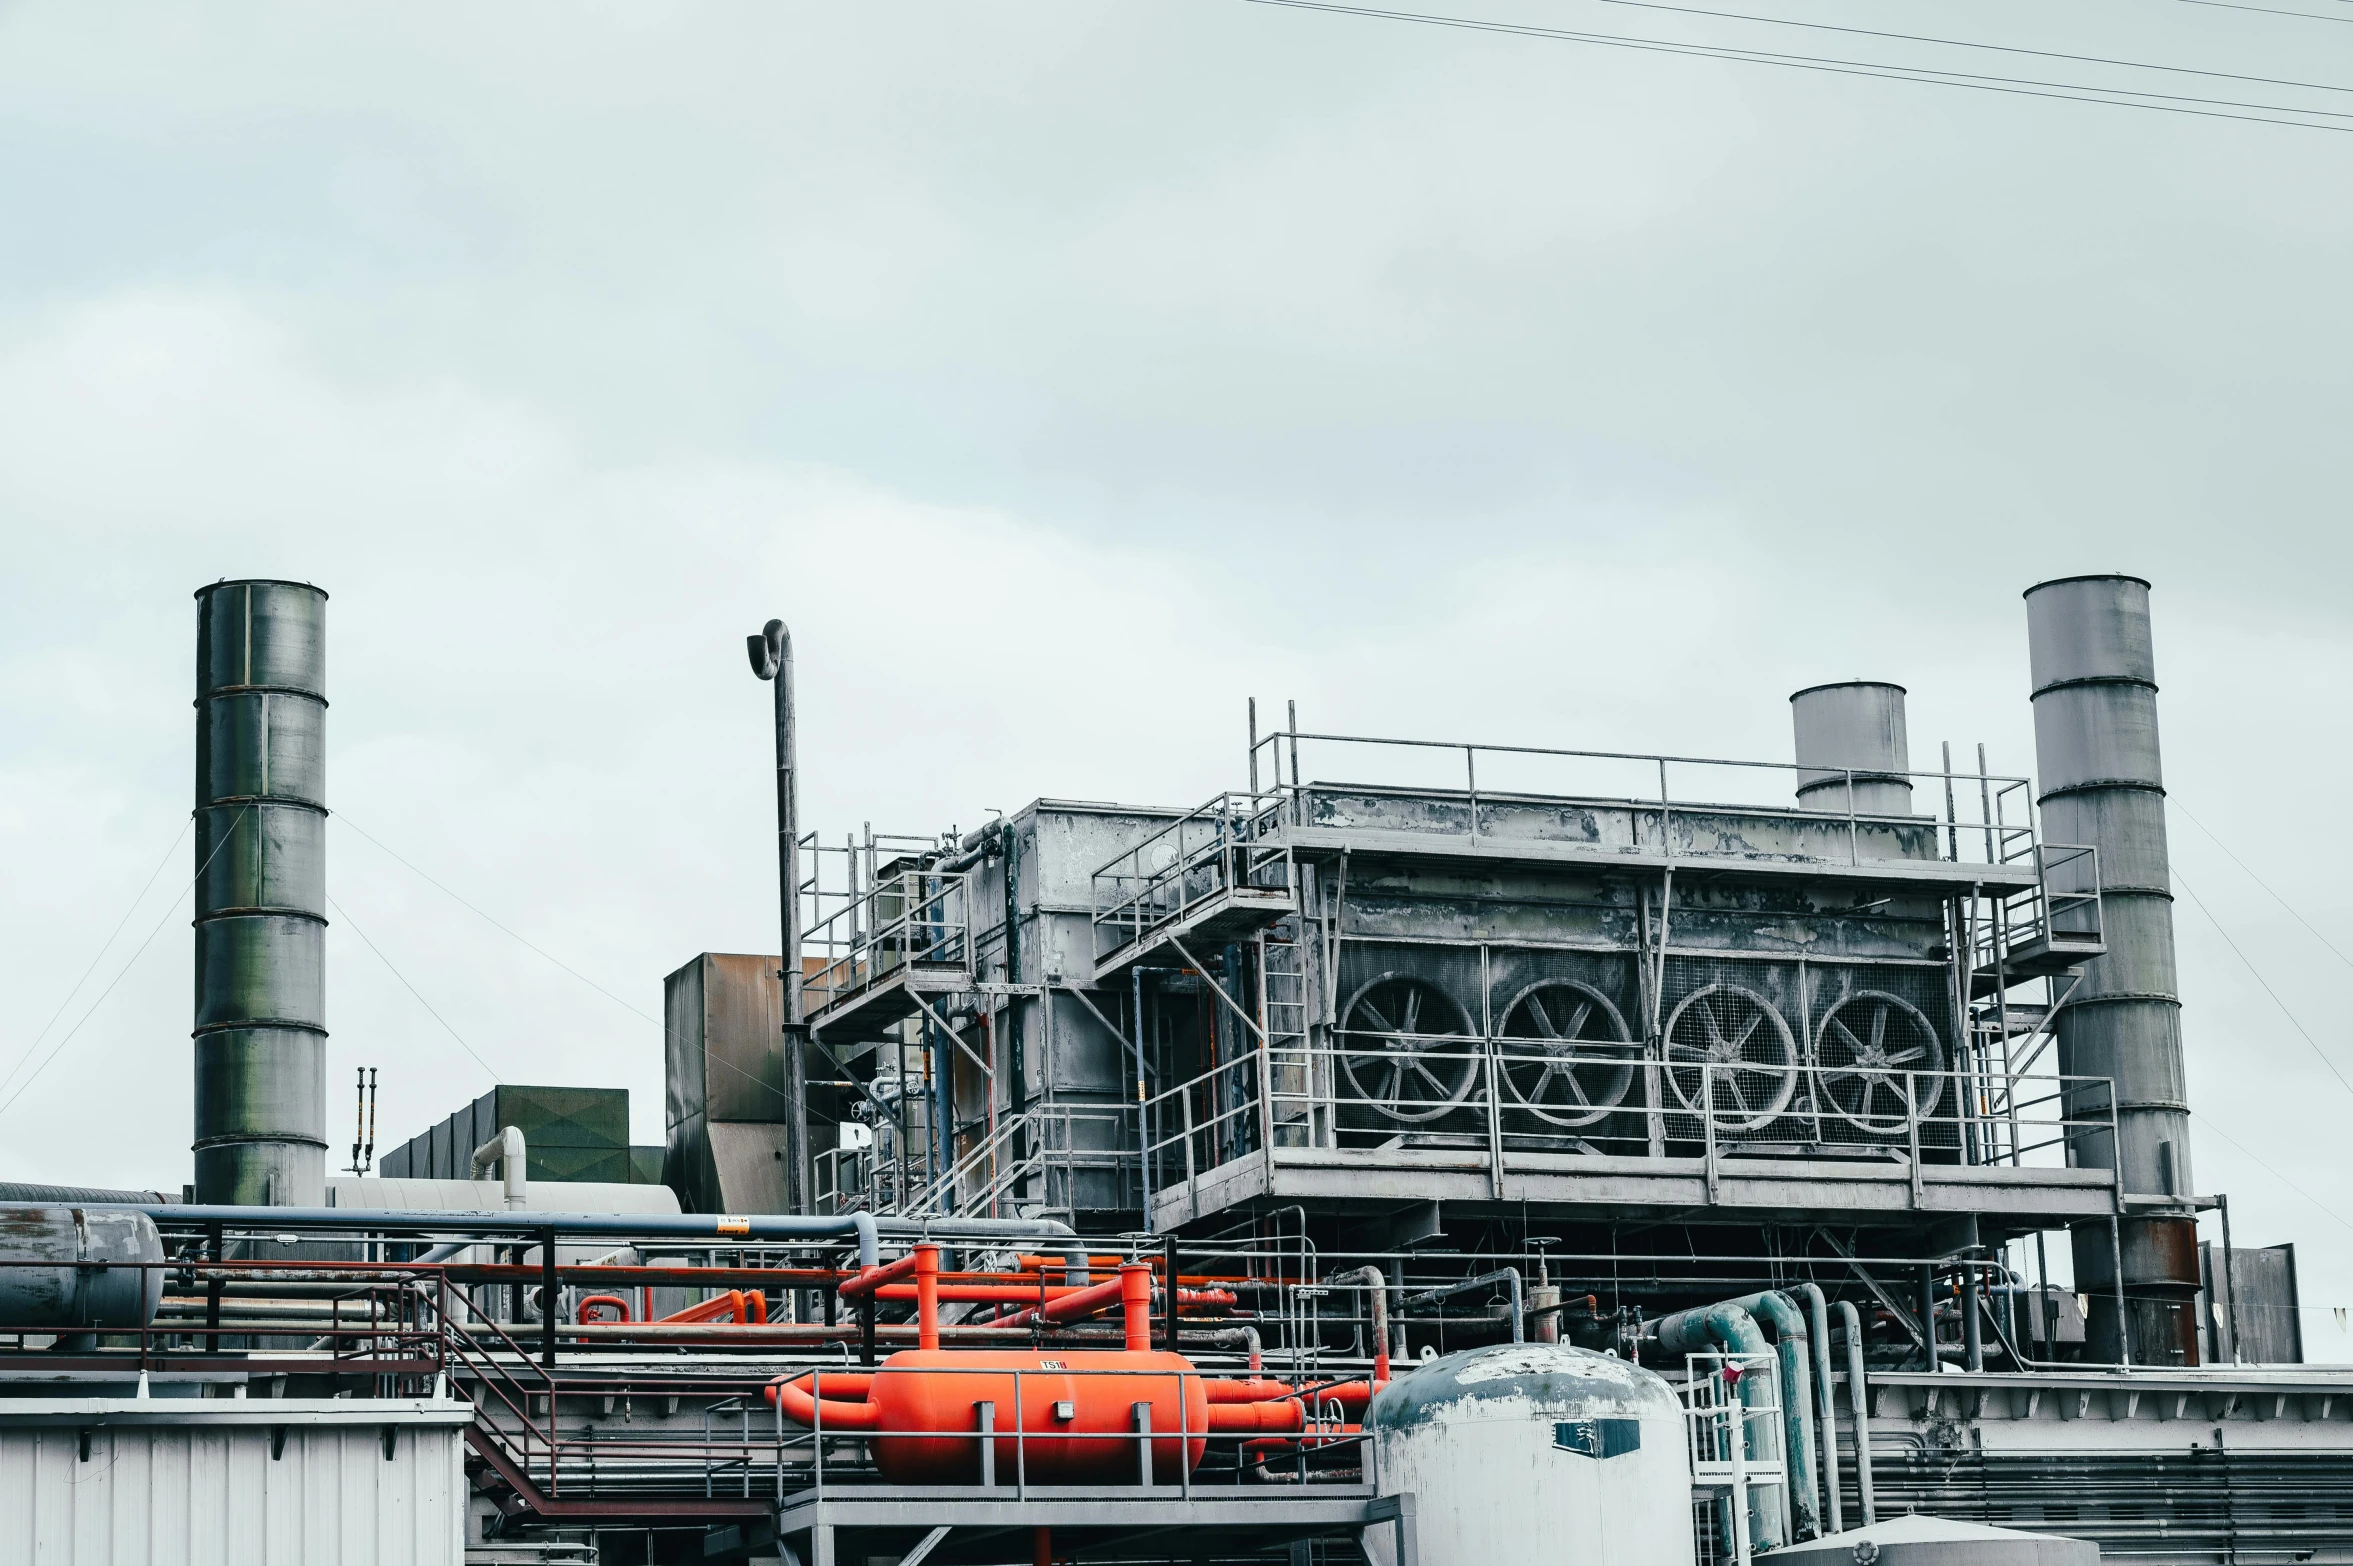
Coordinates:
x,y
261,894
2096,753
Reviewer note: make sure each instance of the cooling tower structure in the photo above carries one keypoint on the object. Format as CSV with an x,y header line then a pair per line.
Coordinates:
x,y
261,894
2096,754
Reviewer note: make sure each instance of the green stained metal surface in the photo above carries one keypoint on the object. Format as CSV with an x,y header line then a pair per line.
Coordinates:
x,y
260,1002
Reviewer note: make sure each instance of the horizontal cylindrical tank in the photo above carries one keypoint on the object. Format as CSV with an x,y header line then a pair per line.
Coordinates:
x,y
86,1273
1535,1450
1075,1409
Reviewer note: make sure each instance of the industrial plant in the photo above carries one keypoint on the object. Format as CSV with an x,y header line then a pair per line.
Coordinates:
x,y
1428,1152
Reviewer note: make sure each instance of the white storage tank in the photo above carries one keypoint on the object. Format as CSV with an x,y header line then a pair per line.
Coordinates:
x,y
1534,1451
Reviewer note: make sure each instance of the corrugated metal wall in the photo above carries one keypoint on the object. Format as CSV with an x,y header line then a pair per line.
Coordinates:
x,y
164,1494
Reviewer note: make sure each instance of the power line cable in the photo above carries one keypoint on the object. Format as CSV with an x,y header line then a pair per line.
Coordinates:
x,y
47,1060
1963,43
2259,881
501,928
2208,1122
2264,10
2183,882
411,988
668,1033
100,957
2007,86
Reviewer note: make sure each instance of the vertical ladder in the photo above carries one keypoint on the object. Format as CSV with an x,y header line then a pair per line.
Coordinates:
x,y
1286,1104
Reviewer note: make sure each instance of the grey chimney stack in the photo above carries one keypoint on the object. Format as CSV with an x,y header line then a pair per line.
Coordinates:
x,y
261,894
2095,743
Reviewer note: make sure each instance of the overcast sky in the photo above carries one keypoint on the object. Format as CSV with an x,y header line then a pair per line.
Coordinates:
x,y
1068,373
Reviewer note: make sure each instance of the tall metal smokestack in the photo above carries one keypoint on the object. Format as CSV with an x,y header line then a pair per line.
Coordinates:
x,y
2095,744
1855,727
261,893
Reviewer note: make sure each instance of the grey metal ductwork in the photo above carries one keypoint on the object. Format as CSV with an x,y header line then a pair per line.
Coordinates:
x,y
1854,729
2095,743
261,894
1858,1398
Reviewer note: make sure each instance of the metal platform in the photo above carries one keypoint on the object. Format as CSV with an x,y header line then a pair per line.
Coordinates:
x,y
1809,1189
2043,957
866,1012
845,1524
904,938
1215,874
1231,914
1324,842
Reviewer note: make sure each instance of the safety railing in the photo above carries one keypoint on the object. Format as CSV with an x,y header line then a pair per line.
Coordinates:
x,y
1731,1418
1698,807
1203,857
1033,1159
2060,911
1513,1096
909,919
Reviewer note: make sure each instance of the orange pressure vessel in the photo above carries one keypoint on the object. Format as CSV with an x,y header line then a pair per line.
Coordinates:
x,y
1078,1425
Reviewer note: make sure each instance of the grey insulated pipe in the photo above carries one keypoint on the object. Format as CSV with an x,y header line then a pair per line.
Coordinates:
x,y
260,1028
771,651
1375,1284
1858,1397
1508,1276
1825,1400
868,1231
507,1151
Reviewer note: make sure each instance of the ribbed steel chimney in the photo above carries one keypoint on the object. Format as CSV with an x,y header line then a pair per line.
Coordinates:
x,y
261,893
1854,727
2095,744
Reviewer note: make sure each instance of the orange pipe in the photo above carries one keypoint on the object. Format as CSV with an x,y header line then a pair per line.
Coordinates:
x,y
871,1277
719,1307
927,1296
581,1310
804,1406
1272,1417
1135,1306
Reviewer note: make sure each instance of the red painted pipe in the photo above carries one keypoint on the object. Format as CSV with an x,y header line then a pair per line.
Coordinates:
x,y
800,1403
905,1267
927,1296
1346,1394
581,1310
1135,1306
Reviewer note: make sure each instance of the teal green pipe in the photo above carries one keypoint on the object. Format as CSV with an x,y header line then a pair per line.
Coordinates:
x,y
1730,1328
1792,1346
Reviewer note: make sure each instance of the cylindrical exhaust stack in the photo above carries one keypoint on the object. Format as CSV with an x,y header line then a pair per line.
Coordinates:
x,y
261,894
1852,728
2095,743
